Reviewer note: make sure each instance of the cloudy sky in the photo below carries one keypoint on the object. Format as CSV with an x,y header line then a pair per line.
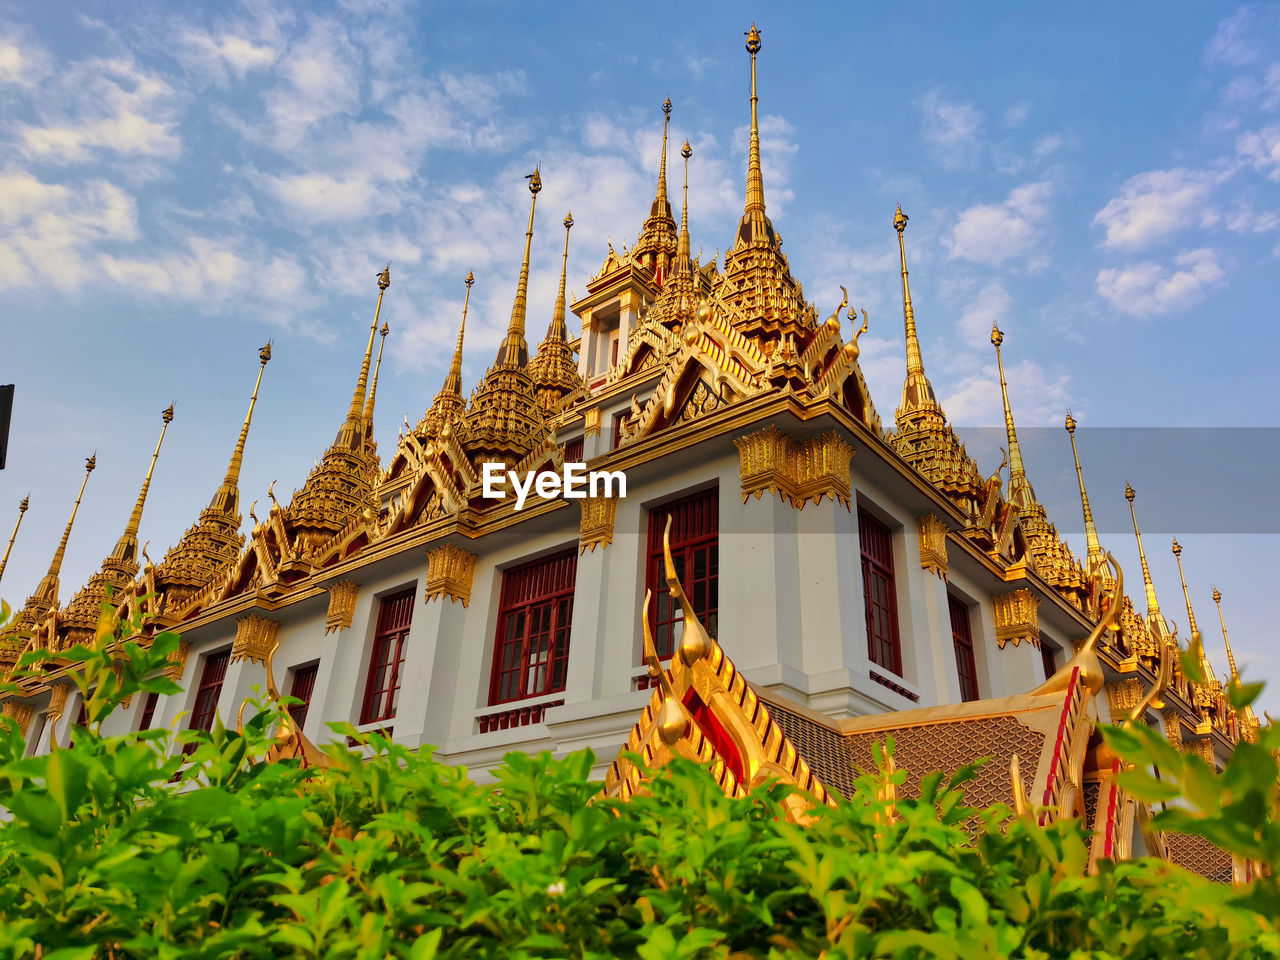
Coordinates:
x,y
178,185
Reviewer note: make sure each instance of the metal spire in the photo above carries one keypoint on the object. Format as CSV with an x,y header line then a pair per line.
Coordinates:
x,y
1231,660
453,382
917,391
1205,666
557,330
514,351
1019,487
1096,559
661,205
1154,617
351,433
683,263
47,591
225,498
22,508
373,387
127,545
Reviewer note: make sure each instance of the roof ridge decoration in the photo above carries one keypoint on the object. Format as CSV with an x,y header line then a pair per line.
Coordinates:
x,y
656,246
1249,721
214,540
554,371
1207,693
1155,620
703,709
22,509
1095,567
118,570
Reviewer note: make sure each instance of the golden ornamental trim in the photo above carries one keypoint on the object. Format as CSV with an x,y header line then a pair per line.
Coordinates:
x,y
1123,696
57,701
1173,730
342,605
933,544
1204,750
592,420
798,471
178,666
450,571
255,638
20,713
1017,617
598,514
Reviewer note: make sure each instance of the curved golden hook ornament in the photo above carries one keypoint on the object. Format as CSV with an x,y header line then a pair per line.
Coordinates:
x,y
833,321
1021,803
1086,659
694,641
672,721
1154,698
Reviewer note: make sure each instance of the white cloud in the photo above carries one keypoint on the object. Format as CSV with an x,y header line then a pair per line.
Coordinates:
x,y
223,52
1037,395
990,306
1048,145
1146,288
777,147
1261,148
994,233
1235,42
1244,219
1155,205
23,62
320,79
317,197
1017,114
952,129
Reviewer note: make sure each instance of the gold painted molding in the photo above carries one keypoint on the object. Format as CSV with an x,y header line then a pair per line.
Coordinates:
x,y
20,713
798,471
342,605
178,667
933,543
57,701
1173,730
1123,696
255,638
598,514
1017,617
450,570
592,420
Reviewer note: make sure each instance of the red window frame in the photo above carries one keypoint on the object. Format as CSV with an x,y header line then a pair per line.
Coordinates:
x,y
535,616
1048,659
302,686
617,427
573,451
962,640
148,711
884,646
212,676
695,549
386,657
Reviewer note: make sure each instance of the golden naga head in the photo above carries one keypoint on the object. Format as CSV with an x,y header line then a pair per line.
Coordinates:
x,y
1091,675
695,643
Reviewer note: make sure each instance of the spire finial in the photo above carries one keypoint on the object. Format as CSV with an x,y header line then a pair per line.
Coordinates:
x,y
755,179
1018,483
22,508
1205,666
130,536
1217,601
682,247
1095,558
453,382
557,330
661,205
514,351
227,495
1153,605
48,589
915,363
373,386
351,434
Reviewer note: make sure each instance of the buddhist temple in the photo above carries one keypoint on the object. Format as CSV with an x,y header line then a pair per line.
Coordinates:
x,y
788,579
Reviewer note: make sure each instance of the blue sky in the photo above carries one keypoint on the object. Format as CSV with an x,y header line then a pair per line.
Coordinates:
x,y
179,184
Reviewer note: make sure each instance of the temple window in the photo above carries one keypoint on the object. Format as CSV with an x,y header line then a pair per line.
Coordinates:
x,y
962,640
573,451
879,593
695,535
302,686
1048,658
618,419
531,652
148,711
386,658
209,689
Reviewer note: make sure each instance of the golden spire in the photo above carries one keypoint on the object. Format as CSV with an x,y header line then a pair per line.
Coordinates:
x,y
1196,641
1217,600
514,351
22,508
1154,617
753,213
661,205
373,386
1095,555
1019,487
558,330
917,391
683,263
46,594
453,382
351,434
226,498
127,545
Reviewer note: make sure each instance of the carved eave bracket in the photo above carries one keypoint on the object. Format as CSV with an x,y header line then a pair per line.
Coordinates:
x,y
450,571
57,701
933,544
1123,696
798,471
598,514
342,605
1017,617
255,638
19,713
591,420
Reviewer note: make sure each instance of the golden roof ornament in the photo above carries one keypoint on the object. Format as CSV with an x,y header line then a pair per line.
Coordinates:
x,y
1155,619
917,391
1197,642
554,372
656,244
1226,640
755,223
351,434
1019,487
22,508
449,405
1094,559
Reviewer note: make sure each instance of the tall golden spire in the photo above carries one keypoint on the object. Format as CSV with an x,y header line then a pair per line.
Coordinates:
x,y
917,391
351,434
683,263
514,351
557,329
554,373
127,546
1231,660
662,205
226,498
1096,559
373,386
22,508
755,223
1196,640
1155,619
453,382
1019,487
46,595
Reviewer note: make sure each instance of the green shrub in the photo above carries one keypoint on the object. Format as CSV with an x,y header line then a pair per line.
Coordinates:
x,y
108,855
